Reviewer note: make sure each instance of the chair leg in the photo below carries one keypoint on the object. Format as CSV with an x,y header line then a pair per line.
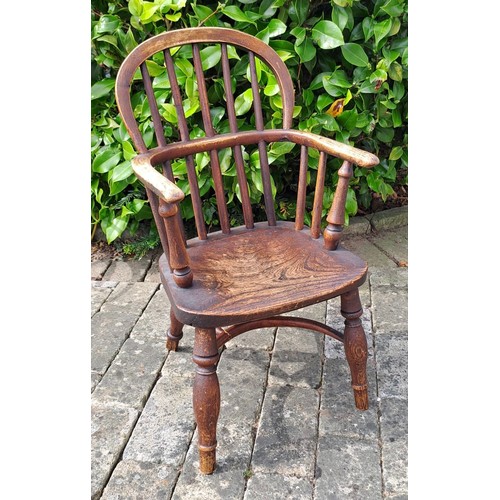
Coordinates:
x,y
355,346
206,396
174,333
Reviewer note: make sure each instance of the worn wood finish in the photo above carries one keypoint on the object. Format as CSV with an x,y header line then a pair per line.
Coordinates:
x,y
318,197
184,133
178,262
336,215
237,153
206,396
239,279
174,333
301,191
229,332
249,275
356,349
209,132
329,146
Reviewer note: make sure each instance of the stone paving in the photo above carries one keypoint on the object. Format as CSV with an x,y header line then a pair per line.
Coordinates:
x,y
288,428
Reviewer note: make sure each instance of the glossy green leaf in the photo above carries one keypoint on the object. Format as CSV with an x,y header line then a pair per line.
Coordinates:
x,y
396,72
108,24
135,7
276,28
367,26
210,56
120,172
306,50
396,153
102,88
235,13
327,35
393,7
105,160
355,54
381,30
298,11
243,102
116,228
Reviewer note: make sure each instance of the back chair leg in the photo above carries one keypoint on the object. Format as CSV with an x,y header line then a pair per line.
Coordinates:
x,y
206,396
174,333
355,346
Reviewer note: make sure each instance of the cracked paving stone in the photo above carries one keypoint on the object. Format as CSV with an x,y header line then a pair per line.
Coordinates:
x,y
348,468
97,297
128,270
286,436
131,298
140,480
111,425
278,487
392,365
395,467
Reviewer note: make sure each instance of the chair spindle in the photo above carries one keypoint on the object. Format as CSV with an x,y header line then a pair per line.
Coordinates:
x,y
301,191
237,153
264,161
209,132
318,197
184,133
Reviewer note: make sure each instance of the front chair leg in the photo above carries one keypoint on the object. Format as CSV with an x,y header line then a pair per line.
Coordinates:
x,y
174,333
355,346
206,395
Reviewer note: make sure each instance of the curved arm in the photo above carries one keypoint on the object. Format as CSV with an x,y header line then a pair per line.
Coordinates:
x,y
155,181
334,148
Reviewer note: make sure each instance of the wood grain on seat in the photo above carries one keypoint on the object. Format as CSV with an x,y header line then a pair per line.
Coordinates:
x,y
247,275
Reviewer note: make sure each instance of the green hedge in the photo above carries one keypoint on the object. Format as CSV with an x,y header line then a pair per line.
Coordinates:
x,y
348,60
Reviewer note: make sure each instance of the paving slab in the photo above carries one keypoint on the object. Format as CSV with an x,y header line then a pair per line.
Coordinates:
x,y
131,298
389,219
153,273
133,480
395,277
393,419
111,425
278,487
109,330
338,413
390,310
133,372
97,298
359,226
94,380
391,355
394,243
261,338
287,432
395,467
128,269
297,358
348,469
368,252
155,319
98,268
165,427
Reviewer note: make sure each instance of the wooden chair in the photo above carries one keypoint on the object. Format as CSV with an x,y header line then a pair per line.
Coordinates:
x,y
237,279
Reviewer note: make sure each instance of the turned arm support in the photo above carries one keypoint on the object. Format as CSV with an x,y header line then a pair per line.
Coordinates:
x,y
170,196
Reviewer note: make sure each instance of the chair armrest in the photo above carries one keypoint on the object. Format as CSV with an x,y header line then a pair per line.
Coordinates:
x,y
338,149
169,195
155,181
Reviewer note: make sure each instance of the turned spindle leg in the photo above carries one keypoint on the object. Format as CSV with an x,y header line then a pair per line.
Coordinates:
x,y
206,396
355,346
174,333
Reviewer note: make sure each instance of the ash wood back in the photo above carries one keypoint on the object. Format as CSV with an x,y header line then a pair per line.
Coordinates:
x,y
174,67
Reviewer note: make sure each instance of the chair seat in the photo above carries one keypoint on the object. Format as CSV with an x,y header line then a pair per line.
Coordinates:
x,y
257,273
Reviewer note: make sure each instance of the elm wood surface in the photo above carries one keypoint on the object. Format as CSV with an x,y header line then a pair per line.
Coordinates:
x,y
239,279
249,275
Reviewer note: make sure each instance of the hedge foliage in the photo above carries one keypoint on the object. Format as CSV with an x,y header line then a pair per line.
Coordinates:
x,y
348,60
